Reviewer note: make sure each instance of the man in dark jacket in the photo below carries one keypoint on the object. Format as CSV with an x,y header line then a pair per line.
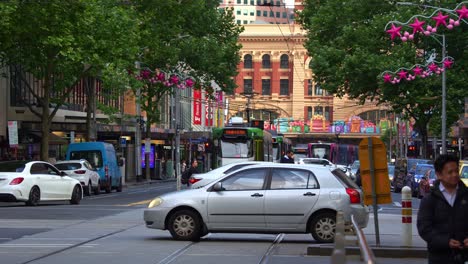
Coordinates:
x,y
188,172
443,215
288,158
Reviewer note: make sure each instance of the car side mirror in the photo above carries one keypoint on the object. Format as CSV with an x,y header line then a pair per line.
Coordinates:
x,y
62,173
218,187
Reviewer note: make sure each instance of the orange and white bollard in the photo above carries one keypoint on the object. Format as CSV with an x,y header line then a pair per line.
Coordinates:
x,y
407,216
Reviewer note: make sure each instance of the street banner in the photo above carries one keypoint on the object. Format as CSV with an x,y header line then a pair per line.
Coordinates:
x,y
197,107
13,133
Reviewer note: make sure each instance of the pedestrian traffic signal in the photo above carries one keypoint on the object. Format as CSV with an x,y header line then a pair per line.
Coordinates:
x,y
412,151
208,148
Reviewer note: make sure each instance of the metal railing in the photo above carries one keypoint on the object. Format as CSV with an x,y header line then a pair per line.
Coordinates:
x,y
339,253
366,252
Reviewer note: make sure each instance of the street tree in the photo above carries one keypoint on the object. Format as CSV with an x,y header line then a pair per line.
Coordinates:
x,y
350,49
184,44
60,42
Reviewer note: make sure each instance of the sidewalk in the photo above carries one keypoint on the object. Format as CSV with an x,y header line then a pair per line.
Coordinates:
x,y
391,240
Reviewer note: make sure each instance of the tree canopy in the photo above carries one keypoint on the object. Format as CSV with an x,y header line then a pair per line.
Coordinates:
x,y
350,49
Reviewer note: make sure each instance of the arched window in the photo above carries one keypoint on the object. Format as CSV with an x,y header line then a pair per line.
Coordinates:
x,y
266,64
248,61
284,61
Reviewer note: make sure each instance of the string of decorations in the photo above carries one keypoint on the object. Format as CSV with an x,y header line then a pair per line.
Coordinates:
x,y
418,70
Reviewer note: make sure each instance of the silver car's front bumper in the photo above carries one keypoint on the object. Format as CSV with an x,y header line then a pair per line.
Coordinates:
x,y
155,217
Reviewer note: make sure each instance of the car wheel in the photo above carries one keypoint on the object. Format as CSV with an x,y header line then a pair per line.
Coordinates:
x,y
323,227
97,189
120,187
76,195
185,225
34,196
88,189
109,186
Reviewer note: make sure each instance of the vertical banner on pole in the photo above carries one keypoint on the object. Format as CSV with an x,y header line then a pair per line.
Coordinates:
x,y
13,133
197,107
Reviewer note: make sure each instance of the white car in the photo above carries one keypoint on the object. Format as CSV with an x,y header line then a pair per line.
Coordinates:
x,y
267,198
199,180
324,162
36,181
82,171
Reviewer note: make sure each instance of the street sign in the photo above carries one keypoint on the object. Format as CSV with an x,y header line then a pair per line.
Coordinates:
x,y
380,171
123,142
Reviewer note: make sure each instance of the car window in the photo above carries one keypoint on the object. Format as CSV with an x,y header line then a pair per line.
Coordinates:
x,y
464,172
39,168
51,170
88,165
68,166
253,179
345,180
292,179
236,167
12,166
92,156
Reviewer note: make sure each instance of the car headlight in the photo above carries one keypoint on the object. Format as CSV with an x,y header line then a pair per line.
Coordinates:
x,y
156,202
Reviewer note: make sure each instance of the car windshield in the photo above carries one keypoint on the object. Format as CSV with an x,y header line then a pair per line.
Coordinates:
x,y
464,172
92,156
412,163
235,149
12,166
68,166
391,169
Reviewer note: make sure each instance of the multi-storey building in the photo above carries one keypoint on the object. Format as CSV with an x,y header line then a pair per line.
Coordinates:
x,y
260,11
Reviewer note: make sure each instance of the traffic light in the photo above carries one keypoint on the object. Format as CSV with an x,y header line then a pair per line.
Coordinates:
x,y
208,147
412,151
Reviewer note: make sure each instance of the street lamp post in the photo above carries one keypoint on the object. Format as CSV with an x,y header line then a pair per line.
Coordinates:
x,y
337,134
417,26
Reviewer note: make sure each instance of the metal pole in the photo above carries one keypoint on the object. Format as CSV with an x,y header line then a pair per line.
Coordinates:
x,y
177,138
390,143
397,149
138,130
406,139
444,106
374,191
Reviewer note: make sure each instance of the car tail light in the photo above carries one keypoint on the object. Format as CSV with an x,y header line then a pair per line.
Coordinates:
x,y
354,196
106,170
193,180
79,172
17,181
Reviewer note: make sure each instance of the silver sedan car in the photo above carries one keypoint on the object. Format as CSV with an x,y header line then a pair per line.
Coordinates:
x,y
272,198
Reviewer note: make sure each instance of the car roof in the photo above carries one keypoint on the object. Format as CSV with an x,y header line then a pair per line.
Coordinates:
x,y
70,161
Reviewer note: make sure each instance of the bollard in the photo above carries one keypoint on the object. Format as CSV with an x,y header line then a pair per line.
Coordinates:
x,y
339,253
406,216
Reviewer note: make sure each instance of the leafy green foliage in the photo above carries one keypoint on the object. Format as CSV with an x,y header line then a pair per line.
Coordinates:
x,y
350,49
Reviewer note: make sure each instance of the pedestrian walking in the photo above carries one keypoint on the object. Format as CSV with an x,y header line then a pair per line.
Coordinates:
x,y
189,172
424,185
443,215
288,158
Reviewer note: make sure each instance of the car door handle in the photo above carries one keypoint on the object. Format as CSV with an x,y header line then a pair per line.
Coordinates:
x,y
257,195
309,194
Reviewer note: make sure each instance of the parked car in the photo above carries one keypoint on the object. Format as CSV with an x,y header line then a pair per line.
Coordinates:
x,y
36,181
82,171
464,172
263,198
199,180
354,168
101,156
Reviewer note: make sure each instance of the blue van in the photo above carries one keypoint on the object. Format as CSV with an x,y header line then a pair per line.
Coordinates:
x,y
103,158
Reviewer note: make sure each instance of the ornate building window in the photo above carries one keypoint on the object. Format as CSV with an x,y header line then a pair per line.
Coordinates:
x,y
248,61
284,87
309,87
266,87
318,90
266,63
284,61
248,86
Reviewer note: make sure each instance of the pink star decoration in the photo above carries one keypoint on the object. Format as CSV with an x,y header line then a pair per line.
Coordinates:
x,y
387,78
432,67
440,19
417,71
462,12
394,32
448,63
417,26
402,74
